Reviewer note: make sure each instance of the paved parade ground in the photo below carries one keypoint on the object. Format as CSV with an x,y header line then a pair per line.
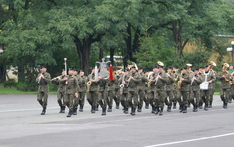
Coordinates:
x,y
21,125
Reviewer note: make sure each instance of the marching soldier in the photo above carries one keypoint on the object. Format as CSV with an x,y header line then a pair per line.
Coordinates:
x,y
92,89
43,80
152,88
213,84
184,86
111,93
160,83
132,89
118,74
195,89
201,101
207,77
141,88
169,88
103,93
176,91
124,90
146,90
224,77
61,91
71,89
82,80
76,99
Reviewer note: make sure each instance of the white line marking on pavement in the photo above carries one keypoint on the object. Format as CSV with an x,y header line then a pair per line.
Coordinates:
x,y
190,140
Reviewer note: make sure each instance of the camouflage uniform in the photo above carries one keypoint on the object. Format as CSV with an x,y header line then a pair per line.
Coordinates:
x,y
141,90
184,92
92,95
82,80
71,88
111,93
43,89
124,94
160,94
176,91
224,88
195,91
205,94
169,91
117,94
61,92
103,94
132,92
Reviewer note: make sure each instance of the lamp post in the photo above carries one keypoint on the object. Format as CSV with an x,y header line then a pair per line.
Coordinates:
x,y
2,76
231,49
1,51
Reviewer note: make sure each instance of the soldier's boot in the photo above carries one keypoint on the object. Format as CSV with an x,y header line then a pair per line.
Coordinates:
x,y
43,111
189,104
153,109
70,113
117,105
133,111
81,108
126,110
195,108
96,108
174,105
109,109
168,109
225,105
156,110
63,109
230,100
161,111
103,111
139,109
93,109
210,104
206,107
74,112
146,105
181,108
185,109
200,105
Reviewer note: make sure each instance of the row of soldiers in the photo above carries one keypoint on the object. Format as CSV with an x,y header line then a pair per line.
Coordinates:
x,y
133,87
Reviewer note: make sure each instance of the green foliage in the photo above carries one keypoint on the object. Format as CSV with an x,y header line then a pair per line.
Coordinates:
x,y
9,83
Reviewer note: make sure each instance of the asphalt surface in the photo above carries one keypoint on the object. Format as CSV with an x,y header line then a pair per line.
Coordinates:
x,y
21,125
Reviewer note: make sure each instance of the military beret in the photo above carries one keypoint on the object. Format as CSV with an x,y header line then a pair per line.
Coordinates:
x,y
230,65
133,67
70,68
156,66
140,68
74,69
169,67
184,68
81,70
43,66
175,67
126,69
206,66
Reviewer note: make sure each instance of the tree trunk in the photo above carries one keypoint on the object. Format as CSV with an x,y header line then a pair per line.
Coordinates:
x,y
83,49
128,41
21,77
112,51
2,74
177,30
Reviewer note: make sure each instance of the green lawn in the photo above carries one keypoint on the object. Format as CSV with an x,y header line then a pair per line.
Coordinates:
x,y
13,90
